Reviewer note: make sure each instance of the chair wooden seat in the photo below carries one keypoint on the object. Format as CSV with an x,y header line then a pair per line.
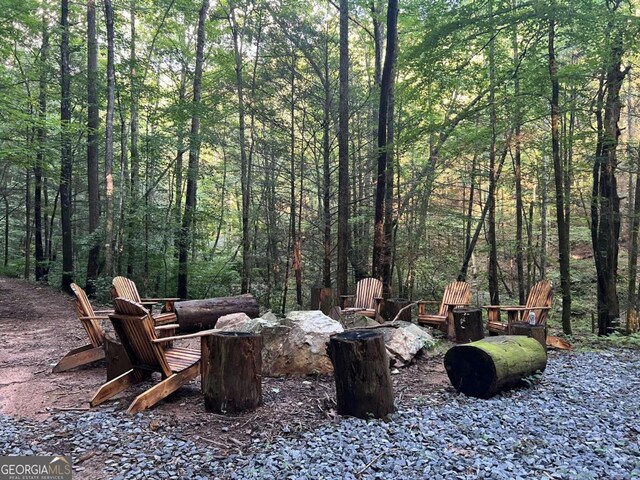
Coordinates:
x,y
180,358
456,294
91,323
367,299
539,301
148,353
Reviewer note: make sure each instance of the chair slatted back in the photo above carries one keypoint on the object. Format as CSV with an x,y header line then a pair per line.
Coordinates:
x,y
84,309
456,293
125,288
540,295
366,290
134,326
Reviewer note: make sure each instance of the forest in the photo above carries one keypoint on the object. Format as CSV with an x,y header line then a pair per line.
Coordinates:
x,y
268,146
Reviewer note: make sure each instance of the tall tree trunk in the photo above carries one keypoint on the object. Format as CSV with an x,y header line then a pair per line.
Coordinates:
x,y
543,217
245,169
133,223
563,230
632,300
326,167
108,152
66,153
179,162
27,223
41,267
634,218
383,211
194,156
493,247
605,221
517,167
93,123
343,152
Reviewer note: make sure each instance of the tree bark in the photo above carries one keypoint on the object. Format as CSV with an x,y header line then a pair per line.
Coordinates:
x,y
108,151
563,227
343,152
468,324
361,370
232,372
245,167
517,167
605,210
41,267
202,314
632,300
66,152
384,184
188,218
93,123
134,192
491,220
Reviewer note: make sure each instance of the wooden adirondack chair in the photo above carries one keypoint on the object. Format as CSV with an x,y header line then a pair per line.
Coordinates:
x,y
148,353
456,294
125,288
367,299
90,320
539,301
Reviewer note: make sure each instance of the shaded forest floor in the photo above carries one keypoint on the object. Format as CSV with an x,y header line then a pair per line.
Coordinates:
x,y
39,325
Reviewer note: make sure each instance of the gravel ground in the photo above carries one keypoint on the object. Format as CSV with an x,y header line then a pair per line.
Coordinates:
x,y
581,421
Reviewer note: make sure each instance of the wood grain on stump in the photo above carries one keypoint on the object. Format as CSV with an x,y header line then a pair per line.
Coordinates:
x,y
468,324
361,370
232,371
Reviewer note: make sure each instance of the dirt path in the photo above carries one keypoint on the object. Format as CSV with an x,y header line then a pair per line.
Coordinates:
x,y
38,325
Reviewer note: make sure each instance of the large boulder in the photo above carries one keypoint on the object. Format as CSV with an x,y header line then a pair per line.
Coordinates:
x,y
294,345
404,343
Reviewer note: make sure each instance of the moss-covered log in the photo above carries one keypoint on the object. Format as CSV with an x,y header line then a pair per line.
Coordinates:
x,y
539,332
483,368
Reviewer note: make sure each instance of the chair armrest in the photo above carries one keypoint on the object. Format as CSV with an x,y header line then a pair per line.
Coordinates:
x,y
422,305
160,300
169,326
104,311
95,317
505,307
203,333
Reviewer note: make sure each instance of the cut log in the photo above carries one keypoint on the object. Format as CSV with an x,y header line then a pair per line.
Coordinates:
x,y
394,307
483,368
361,369
195,315
232,372
322,299
468,324
539,332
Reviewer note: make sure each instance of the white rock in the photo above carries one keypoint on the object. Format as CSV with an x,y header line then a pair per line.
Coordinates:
x,y
404,343
229,322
